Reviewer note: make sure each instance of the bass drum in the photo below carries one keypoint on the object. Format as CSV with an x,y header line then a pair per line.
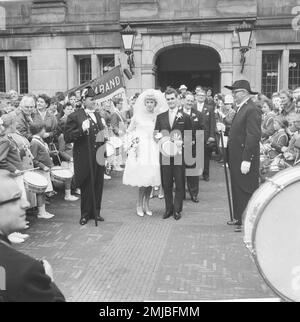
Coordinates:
x,y
272,232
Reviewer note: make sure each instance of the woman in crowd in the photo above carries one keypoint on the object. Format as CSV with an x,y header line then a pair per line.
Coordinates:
x,y
292,152
279,139
118,126
44,116
287,103
267,119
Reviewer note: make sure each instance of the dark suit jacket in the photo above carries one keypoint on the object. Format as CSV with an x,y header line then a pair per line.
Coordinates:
x,y
23,125
243,145
74,134
208,114
181,124
115,121
26,280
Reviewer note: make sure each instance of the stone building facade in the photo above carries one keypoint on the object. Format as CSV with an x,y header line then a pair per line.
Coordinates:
x,y
53,45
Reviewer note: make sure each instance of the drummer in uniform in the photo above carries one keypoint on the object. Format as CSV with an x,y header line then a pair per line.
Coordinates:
x,y
83,128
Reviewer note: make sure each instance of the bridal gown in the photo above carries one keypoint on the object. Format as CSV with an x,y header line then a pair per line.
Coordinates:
x,y
142,167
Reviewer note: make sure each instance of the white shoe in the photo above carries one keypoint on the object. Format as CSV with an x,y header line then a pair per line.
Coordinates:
x,y
78,192
45,216
140,212
149,213
161,196
71,198
15,239
106,177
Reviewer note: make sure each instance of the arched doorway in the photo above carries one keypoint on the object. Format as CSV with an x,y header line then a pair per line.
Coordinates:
x,y
191,65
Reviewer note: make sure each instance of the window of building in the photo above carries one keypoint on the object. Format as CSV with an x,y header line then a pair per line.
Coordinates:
x,y
294,70
270,73
2,76
85,69
107,63
22,75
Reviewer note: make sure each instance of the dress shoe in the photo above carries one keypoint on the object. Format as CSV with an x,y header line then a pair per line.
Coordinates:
x,y
83,221
139,211
195,199
238,229
99,218
232,223
206,178
177,216
167,215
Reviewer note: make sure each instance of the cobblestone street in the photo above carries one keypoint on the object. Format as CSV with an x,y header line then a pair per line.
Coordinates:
x,y
128,258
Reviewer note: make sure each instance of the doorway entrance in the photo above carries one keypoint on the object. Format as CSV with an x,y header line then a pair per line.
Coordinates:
x,y
189,65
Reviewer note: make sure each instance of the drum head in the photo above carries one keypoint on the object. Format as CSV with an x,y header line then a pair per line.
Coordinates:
x,y
62,173
168,148
35,179
276,239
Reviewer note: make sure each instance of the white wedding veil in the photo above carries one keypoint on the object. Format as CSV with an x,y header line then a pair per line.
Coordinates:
x,y
140,110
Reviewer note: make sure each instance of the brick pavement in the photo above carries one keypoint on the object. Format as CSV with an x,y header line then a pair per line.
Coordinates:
x,y
128,258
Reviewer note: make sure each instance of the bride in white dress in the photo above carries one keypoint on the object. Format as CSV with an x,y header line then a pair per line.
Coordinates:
x,y
142,167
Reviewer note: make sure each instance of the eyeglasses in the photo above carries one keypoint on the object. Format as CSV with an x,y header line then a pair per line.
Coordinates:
x,y
16,198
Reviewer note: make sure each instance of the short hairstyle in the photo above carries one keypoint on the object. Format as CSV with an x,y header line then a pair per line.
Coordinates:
x,y
68,104
287,93
46,98
72,94
60,96
36,128
267,101
170,91
26,97
117,100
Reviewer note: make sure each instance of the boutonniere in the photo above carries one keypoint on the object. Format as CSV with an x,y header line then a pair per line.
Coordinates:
x,y
179,116
193,115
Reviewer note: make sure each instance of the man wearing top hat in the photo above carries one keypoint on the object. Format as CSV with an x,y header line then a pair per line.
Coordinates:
x,y
244,150
22,278
84,127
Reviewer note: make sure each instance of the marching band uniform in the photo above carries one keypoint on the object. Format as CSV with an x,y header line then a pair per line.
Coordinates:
x,y
74,134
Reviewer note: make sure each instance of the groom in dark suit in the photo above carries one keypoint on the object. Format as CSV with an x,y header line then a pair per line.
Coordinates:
x,y
173,124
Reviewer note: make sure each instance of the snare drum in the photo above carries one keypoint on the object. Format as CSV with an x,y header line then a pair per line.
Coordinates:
x,y
35,183
272,232
110,150
61,175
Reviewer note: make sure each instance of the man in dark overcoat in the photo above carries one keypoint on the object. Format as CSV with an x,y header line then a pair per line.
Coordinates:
x,y
244,149
84,127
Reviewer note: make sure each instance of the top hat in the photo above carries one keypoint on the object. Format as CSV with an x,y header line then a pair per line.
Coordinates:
x,y
241,84
88,92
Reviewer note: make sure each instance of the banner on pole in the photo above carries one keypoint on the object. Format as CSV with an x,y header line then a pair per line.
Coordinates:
x,y
107,86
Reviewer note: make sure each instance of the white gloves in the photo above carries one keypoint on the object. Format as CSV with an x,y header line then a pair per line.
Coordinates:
x,y
86,125
245,167
48,269
221,127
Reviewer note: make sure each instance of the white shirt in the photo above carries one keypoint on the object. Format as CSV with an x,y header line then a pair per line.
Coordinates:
x,y
91,114
239,106
200,106
172,115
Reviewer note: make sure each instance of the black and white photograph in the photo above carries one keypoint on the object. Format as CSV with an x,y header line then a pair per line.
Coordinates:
x,y
149,153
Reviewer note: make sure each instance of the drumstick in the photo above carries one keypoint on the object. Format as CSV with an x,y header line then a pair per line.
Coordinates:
x,y
33,169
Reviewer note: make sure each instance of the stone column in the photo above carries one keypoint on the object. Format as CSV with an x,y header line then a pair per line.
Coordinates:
x,y
148,76
95,66
226,76
284,79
